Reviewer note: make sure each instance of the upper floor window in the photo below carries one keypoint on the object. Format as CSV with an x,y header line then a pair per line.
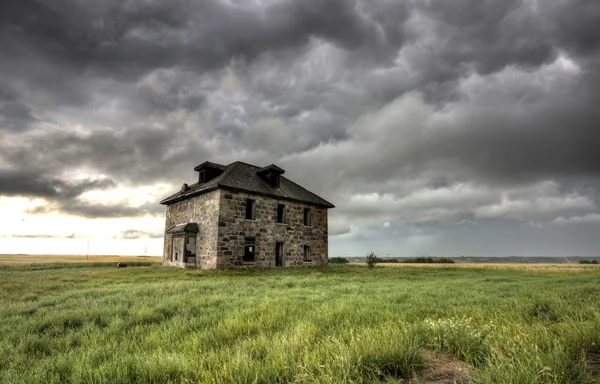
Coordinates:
x,y
275,180
280,213
307,217
202,176
250,209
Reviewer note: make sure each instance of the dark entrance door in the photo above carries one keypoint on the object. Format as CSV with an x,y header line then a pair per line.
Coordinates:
x,y
279,254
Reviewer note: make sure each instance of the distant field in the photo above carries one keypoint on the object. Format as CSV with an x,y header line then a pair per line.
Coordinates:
x,y
30,259
93,323
500,259
502,266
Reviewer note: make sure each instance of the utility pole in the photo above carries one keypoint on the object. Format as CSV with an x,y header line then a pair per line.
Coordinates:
x,y
88,250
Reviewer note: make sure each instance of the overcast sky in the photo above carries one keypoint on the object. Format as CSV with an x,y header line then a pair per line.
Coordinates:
x,y
436,127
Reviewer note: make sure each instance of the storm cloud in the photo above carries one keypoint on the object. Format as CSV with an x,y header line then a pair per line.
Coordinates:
x,y
426,115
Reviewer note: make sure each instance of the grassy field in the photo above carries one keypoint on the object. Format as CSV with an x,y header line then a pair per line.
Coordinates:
x,y
31,259
343,323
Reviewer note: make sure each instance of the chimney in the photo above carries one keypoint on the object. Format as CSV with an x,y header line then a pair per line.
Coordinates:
x,y
185,187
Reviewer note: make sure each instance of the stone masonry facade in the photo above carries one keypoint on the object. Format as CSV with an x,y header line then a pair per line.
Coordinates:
x,y
204,210
234,229
224,231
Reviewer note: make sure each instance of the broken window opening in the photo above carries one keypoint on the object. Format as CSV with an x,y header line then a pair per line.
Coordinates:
x,y
280,213
307,216
190,247
307,253
249,249
275,180
279,254
250,205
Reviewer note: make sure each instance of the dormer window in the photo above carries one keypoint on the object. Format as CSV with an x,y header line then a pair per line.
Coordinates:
x,y
271,174
208,171
275,180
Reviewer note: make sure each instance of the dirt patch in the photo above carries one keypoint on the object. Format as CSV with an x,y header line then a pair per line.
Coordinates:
x,y
443,368
593,359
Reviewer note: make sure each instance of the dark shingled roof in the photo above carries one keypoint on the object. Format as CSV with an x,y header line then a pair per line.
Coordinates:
x,y
240,176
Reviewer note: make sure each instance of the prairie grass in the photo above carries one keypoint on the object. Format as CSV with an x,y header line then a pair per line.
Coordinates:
x,y
9,260
342,323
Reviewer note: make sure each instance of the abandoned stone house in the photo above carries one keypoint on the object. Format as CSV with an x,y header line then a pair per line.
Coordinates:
x,y
241,215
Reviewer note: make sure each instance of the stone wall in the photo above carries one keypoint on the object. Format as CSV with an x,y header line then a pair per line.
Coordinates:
x,y
234,228
204,210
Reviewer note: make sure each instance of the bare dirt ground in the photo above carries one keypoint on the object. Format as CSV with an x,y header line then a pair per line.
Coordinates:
x,y
31,259
444,368
593,359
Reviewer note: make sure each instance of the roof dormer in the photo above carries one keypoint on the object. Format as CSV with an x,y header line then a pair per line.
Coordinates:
x,y
271,174
208,171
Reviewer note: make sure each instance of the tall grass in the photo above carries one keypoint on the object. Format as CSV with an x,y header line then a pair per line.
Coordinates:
x,y
342,323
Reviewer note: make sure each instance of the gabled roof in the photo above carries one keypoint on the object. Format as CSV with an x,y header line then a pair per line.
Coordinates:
x,y
271,168
208,164
244,177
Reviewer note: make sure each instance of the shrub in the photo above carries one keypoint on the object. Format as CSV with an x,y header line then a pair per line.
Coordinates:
x,y
588,261
372,259
338,260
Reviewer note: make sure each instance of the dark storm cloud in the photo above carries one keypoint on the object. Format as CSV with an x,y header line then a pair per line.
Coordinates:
x,y
14,115
140,92
141,36
32,183
93,210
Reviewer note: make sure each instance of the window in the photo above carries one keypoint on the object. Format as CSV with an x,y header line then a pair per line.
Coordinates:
x,y
280,213
306,253
275,180
250,209
249,249
306,216
279,254
190,246
202,178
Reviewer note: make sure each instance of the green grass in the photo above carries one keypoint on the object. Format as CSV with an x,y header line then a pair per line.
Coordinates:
x,y
342,323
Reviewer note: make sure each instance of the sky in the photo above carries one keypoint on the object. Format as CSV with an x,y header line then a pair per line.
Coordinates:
x,y
436,127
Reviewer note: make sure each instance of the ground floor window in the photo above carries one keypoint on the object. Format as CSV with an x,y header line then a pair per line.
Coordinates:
x,y
307,253
249,249
279,254
190,246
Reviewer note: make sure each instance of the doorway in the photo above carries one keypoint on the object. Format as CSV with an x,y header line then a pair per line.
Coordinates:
x,y
279,254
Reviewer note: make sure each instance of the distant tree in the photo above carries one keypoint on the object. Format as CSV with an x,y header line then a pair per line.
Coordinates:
x,y
372,259
338,260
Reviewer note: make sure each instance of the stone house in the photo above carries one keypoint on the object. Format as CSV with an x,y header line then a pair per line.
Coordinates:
x,y
241,215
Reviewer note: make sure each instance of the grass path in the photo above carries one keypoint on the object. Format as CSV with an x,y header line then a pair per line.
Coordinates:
x,y
337,324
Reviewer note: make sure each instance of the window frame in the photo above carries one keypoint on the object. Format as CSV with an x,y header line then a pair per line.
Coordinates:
x,y
306,257
281,215
251,210
307,217
249,242
280,250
